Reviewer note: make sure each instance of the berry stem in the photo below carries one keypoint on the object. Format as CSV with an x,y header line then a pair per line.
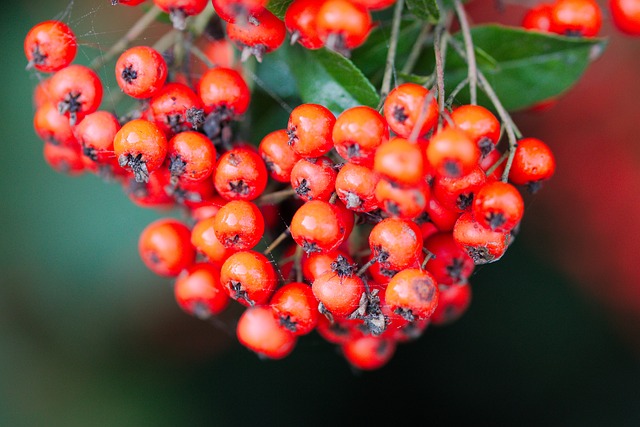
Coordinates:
x,y
275,197
277,242
365,267
429,256
497,163
134,32
456,91
471,56
438,47
391,53
415,132
297,263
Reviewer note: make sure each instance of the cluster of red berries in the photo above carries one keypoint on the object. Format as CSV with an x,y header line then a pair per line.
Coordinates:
x,y
390,210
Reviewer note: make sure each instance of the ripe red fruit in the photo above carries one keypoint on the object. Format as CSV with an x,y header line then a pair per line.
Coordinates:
x,y
203,238
339,290
238,10
300,19
457,194
450,263
179,10
453,302
410,105
141,71
314,178
240,174
412,293
356,186
258,330
223,90
576,17
50,46
533,163
369,353
479,124
263,33
191,156
316,264
357,132
198,291
278,155
176,108
248,278
498,206
296,308
343,25
165,247
77,91
400,161
310,128
452,153
239,225
626,16
96,133
482,244
318,226
65,159
402,202
51,127
538,18
396,243
140,146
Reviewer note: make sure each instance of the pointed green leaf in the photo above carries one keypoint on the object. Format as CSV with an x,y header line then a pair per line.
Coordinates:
x,y
425,9
279,7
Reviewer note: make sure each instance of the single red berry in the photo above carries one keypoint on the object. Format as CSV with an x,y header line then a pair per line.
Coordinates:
x,y
339,291
374,4
240,174
238,10
443,218
498,206
223,90
538,18
50,46
482,244
198,291
203,238
317,263
176,108
77,91
151,194
401,201
533,163
96,133
452,153
576,18
248,278
239,225
318,226
410,105
339,331
179,10
65,159
479,124
314,178
263,33
191,156
358,132
51,127
343,25
369,353
42,93
141,72
140,146
450,263
453,302
310,128
400,161
258,330
626,16
165,247
278,155
412,293
356,186
296,308
396,243
300,19
457,194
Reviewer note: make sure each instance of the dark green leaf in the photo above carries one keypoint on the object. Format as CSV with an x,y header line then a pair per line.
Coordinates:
x,y
425,9
279,7
328,78
524,67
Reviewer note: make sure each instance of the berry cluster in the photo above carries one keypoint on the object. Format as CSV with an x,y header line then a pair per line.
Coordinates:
x,y
387,211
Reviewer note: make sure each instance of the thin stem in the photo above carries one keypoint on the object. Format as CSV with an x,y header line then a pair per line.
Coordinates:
x,y
391,53
365,267
497,164
439,71
134,32
456,91
429,256
471,56
422,117
297,263
275,197
416,50
277,242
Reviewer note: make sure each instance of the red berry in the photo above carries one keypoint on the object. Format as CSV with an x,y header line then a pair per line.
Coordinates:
x,y
402,202
396,243
258,330
479,124
453,302
318,226
248,278
400,161
538,18
263,33
310,127
356,186
203,238
410,105
626,16
140,146
198,291
176,108
482,244
339,290
223,90
314,178
412,293
576,18
450,263
65,159
238,10
343,25
278,155
239,225
165,247
498,206
296,308
369,353
179,10
357,132
77,91
96,133
50,46
240,174
457,194
452,153
51,127
191,156
533,163
141,72
300,19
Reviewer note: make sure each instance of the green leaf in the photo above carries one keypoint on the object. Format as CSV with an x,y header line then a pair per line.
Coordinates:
x,y
425,9
279,7
328,78
524,67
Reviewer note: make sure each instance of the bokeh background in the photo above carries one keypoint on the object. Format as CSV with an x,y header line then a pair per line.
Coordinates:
x,y
89,337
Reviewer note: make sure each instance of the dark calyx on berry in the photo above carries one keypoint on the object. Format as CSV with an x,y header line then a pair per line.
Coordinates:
x,y
342,267
480,255
303,188
129,74
239,293
399,114
137,165
496,220
486,146
464,201
454,270
287,323
37,57
71,104
177,166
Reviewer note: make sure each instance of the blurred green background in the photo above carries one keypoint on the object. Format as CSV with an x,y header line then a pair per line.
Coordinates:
x,y
89,337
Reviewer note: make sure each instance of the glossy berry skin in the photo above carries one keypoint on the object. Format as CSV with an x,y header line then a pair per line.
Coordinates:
x,y
343,25
533,163
479,124
204,240
458,194
407,106
188,7
357,132
626,16
239,225
339,295
140,146
450,263
77,91
258,330
482,244
96,133
453,302
248,278
400,161
278,156
296,308
310,128
240,174
374,4
314,178
402,202
412,293
50,46
355,186
576,18
165,247
368,353
318,226
397,243
141,72
263,33
224,89
238,10
443,218
198,291
452,153
66,159
191,156
51,127
151,194
300,20
498,206
538,18
316,264
176,108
